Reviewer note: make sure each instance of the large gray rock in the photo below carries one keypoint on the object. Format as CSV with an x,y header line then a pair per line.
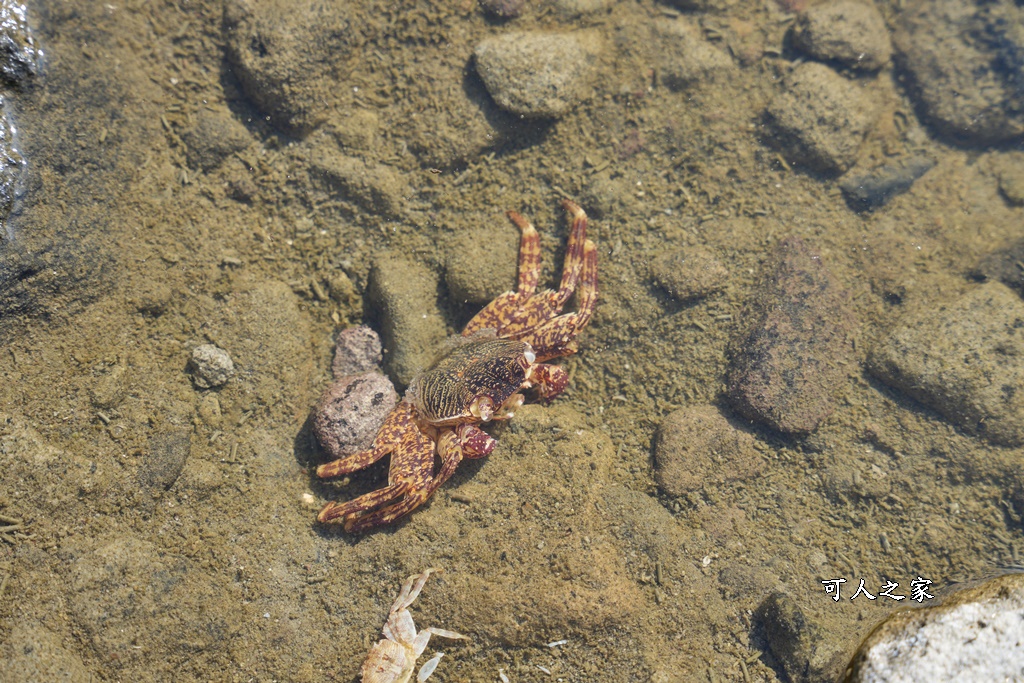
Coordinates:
x,y
965,359
536,75
976,634
964,67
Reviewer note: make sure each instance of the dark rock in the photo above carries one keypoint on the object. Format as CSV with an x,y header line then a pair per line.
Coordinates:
x,y
213,137
404,293
965,359
211,366
165,458
696,446
503,9
1004,266
351,411
965,66
357,350
844,31
820,118
689,274
784,372
536,75
799,642
868,191
19,54
976,634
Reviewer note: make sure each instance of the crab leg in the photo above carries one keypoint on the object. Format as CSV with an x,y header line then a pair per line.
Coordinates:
x,y
574,253
555,337
399,421
367,501
529,255
550,380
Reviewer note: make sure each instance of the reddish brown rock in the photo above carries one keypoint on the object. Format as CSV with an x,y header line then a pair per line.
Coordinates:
x,y
357,350
786,368
351,411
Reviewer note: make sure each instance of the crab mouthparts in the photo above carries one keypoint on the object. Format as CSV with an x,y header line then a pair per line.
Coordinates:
x,y
482,408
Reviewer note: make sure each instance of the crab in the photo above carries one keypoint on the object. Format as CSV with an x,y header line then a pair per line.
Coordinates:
x,y
393,658
478,378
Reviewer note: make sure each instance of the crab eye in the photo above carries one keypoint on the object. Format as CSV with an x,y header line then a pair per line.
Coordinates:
x,y
529,355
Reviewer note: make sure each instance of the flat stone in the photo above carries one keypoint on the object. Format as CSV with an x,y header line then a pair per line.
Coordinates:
x,y
165,458
404,292
820,118
785,370
688,274
965,359
686,58
371,187
536,75
849,32
976,634
697,446
482,259
213,137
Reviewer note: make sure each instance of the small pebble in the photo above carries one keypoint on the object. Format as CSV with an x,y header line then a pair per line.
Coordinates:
x,y
351,411
357,350
211,366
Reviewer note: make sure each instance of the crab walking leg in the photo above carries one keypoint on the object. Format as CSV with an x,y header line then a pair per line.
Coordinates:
x,y
411,589
495,314
574,253
556,337
397,422
367,501
529,255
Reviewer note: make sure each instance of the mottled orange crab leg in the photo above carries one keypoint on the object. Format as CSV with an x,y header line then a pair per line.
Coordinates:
x,y
368,501
398,421
573,253
529,255
556,336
